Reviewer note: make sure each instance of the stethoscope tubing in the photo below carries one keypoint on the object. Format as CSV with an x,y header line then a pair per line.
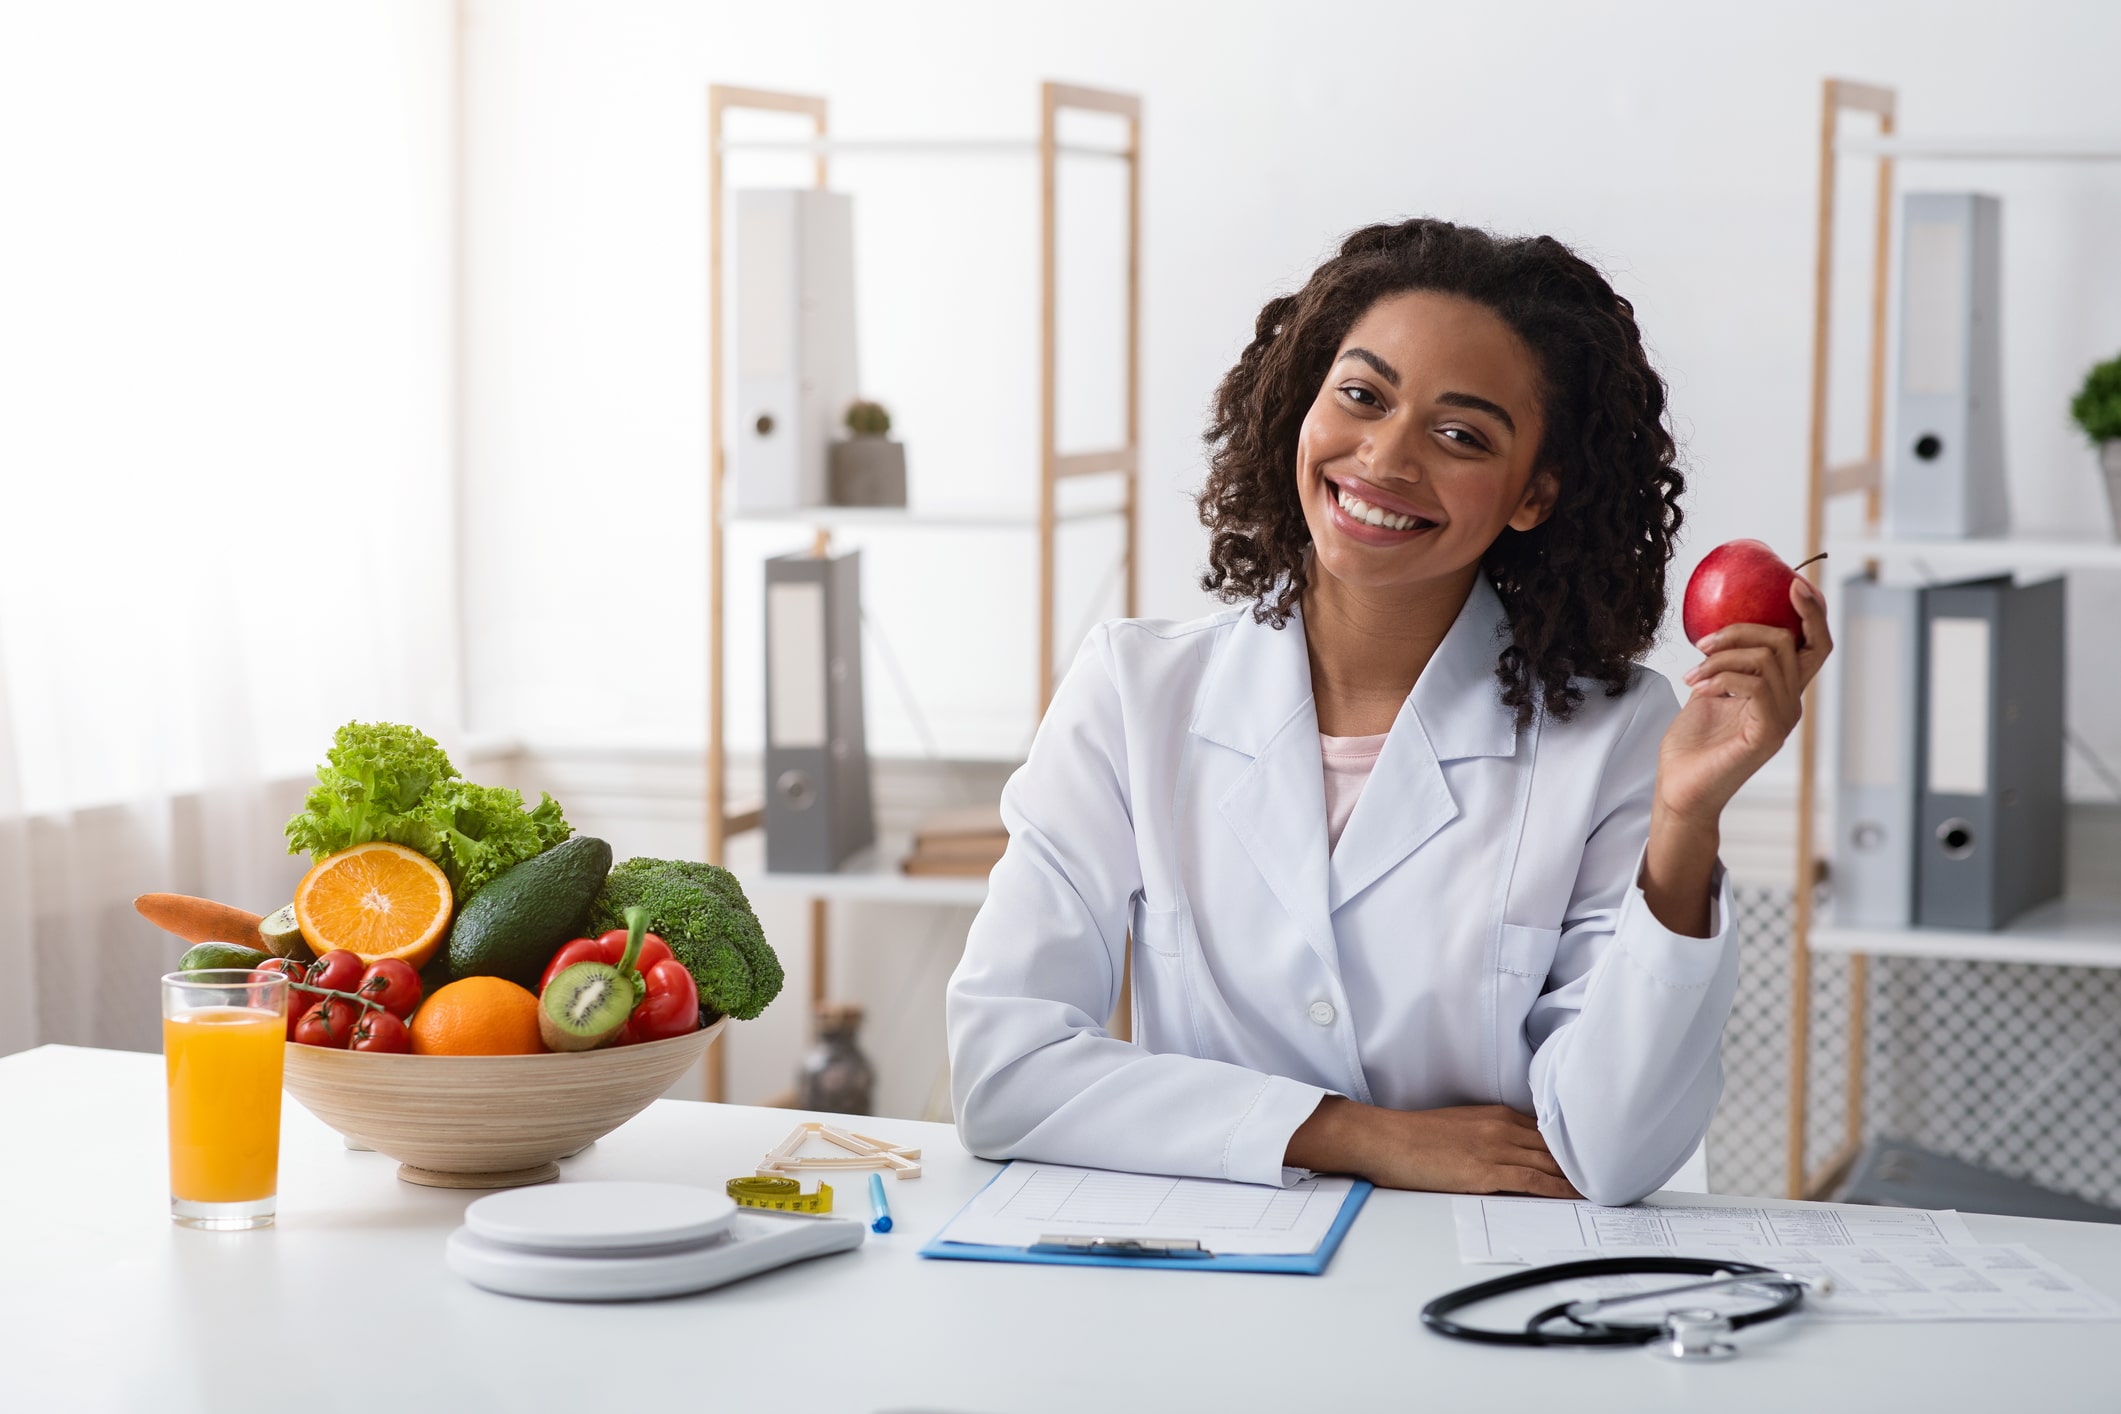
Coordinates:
x,y
1437,1314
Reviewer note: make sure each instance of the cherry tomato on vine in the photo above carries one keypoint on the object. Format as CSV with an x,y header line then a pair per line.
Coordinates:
x,y
297,1002
380,1031
338,970
392,985
329,1023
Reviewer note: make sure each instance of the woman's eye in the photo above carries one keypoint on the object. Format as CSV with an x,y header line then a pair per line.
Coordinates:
x,y
1355,392
1464,438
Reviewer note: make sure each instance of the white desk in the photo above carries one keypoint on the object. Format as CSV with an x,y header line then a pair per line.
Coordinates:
x,y
105,1305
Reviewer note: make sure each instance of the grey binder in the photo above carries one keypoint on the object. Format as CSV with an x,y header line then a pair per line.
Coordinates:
x,y
1989,840
1875,803
818,808
1944,474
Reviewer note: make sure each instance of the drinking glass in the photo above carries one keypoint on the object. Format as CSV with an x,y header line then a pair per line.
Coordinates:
x,y
224,1032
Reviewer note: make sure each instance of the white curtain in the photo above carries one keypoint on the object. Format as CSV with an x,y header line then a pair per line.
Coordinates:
x,y
226,497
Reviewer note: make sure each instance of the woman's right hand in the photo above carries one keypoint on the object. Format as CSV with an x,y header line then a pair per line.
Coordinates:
x,y
1463,1149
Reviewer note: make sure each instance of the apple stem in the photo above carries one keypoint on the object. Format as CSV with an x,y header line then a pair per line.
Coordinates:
x,y
1820,556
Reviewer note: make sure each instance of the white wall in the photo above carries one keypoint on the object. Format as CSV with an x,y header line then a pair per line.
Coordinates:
x,y
1673,143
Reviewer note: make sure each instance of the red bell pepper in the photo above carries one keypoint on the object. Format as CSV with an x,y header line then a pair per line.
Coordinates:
x,y
669,1003
670,1006
609,948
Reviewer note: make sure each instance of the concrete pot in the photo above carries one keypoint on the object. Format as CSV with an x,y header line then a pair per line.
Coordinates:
x,y
2110,459
868,471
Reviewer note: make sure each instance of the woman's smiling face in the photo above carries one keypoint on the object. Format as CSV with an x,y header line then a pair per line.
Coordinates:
x,y
1419,449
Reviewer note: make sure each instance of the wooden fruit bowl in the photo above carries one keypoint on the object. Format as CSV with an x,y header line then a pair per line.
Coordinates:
x,y
486,1121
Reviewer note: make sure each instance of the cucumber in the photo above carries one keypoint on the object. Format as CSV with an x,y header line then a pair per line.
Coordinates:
x,y
206,955
513,926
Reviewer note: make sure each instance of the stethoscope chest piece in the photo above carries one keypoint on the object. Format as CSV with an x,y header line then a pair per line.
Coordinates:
x,y
1693,1335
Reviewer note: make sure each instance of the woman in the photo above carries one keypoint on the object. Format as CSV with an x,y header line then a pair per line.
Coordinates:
x,y
1418,864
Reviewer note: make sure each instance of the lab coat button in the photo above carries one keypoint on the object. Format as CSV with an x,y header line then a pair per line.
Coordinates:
x,y
1322,1013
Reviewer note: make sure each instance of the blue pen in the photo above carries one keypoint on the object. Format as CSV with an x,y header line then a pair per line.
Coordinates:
x,y
879,1207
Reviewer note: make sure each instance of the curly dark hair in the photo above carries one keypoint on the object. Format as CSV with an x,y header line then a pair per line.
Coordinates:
x,y
1584,590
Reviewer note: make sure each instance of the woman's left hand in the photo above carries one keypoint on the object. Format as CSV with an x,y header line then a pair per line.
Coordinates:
x,y
1748,695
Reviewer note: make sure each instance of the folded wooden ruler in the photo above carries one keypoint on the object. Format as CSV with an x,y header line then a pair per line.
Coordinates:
x,y
859,1152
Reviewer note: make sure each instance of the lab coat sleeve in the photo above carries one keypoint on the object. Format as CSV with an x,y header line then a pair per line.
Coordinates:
x,y
1033,1072
1627,1062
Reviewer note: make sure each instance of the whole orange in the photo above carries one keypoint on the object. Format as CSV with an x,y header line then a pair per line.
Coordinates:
x,y
479,1016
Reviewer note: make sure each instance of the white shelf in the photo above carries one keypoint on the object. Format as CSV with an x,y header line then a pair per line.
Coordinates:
x,y
914,518
2025,552
2071,932
1983,149
915,147
873,876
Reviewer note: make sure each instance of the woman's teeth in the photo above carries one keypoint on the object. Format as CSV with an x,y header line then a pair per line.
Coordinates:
x,y
1371,515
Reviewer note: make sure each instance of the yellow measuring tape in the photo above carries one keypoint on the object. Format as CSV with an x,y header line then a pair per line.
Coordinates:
x,y
782,1195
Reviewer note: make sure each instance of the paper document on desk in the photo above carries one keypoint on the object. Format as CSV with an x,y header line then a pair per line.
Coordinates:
x,y
1504,1229
1031,1201
1908,1282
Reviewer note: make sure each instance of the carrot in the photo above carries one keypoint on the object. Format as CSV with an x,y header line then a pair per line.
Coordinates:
x,y
200,920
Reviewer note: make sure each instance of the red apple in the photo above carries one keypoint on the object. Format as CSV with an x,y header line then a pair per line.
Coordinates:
x,y
1743,582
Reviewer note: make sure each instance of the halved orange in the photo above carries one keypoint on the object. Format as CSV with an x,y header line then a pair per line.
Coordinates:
x,y
379,900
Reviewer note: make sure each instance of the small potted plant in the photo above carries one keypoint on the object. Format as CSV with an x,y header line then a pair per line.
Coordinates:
x,y
2097,409
868,468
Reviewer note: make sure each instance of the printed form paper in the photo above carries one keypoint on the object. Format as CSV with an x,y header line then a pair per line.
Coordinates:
x,y
1030,1201
1504,1229
1909,1282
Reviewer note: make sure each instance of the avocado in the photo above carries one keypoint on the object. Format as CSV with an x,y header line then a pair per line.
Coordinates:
x,y
513,926
207,955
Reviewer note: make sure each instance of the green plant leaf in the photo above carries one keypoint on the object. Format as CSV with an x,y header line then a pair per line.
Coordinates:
x,y
2097,406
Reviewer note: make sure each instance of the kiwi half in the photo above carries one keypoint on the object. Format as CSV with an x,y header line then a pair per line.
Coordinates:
x,y
282,936
585,1007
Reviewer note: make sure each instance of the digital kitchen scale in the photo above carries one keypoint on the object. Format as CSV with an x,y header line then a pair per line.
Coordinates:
x,y
628,1241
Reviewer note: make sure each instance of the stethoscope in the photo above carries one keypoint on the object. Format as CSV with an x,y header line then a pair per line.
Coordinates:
x,y
1684,1333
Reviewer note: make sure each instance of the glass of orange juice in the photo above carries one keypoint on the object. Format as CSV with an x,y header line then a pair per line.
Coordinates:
x,y
224,1031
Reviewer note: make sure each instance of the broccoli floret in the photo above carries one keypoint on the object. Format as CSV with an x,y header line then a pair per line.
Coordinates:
x,y
701,911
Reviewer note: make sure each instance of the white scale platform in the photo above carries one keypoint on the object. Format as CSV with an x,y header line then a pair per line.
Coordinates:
x,y
629,1241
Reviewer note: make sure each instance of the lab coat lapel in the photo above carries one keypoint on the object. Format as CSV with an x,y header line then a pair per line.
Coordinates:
x,y
1455,711
1258,701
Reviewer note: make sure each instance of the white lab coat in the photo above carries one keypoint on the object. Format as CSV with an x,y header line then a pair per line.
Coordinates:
x,y
1477,937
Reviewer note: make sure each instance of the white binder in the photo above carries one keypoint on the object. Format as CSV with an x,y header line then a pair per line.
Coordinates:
x,y
1876,803
795,352
1944,473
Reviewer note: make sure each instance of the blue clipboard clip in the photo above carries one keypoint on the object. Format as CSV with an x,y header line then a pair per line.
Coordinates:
x,y
1119,1247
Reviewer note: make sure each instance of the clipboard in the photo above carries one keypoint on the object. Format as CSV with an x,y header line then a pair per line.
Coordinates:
x,y
1309,1264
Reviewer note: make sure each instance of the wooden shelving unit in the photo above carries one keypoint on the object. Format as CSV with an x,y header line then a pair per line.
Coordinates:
x,y
2070,932
874,877
1968,557
2074,931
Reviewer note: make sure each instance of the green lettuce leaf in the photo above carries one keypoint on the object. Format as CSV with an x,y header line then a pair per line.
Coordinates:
x,y
374,777
480,832
381,781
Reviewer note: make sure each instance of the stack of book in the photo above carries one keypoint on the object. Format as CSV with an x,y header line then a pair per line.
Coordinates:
x,y
964,842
